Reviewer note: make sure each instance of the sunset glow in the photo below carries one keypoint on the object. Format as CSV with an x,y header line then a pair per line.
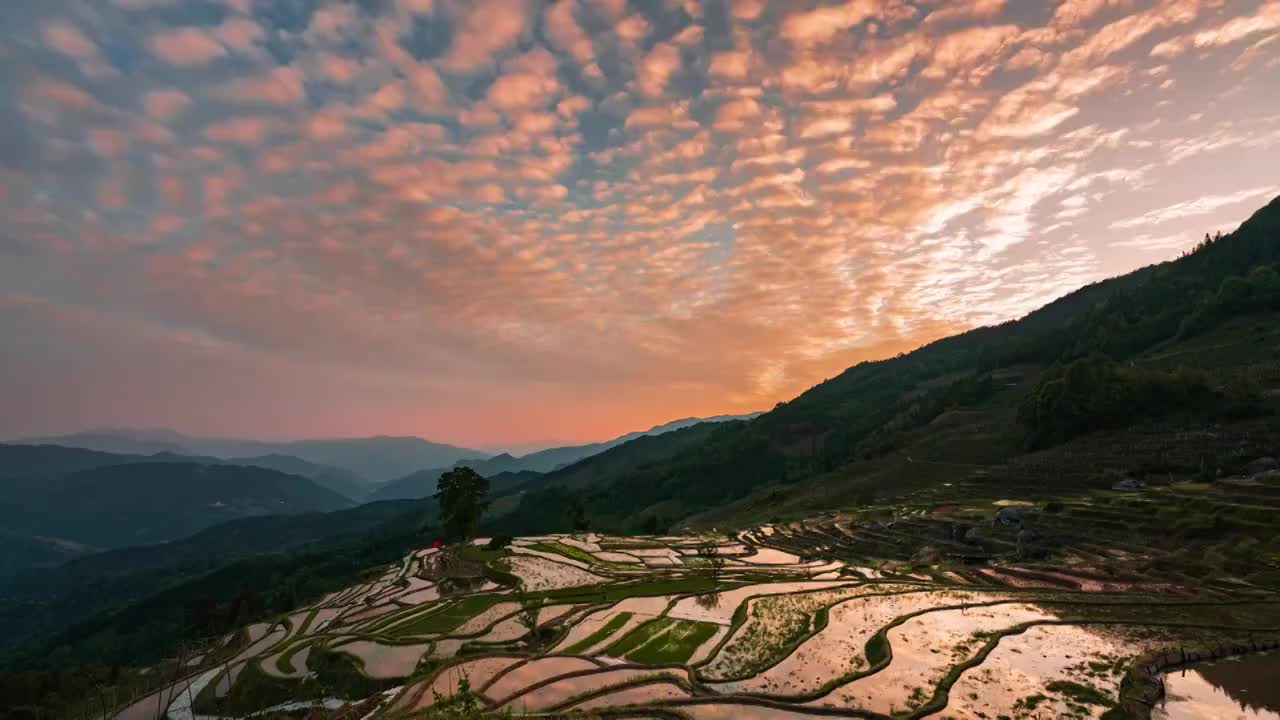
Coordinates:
x,y
502,221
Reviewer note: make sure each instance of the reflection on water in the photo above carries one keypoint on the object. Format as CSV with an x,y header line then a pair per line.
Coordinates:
x,y
1245,688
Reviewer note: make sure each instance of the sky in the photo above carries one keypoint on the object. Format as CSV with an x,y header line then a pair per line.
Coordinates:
x,y
516,221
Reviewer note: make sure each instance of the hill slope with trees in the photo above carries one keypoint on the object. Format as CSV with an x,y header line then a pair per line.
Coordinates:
x,y
853,418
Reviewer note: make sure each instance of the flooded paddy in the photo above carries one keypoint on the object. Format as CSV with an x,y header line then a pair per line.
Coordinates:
x,y
924,648
1058,669
852,639
385,661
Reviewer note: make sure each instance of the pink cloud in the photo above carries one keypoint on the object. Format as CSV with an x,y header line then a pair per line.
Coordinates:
x,y
63,94
747,9
165,104
485,29
186,46
735,114
107,142
632,30
338,69
325,127
649,116
571,106
563,29
661,62
522,90
490,193
245,130
67,39
428,87
282,85
732,65
388,98
417,7
239,33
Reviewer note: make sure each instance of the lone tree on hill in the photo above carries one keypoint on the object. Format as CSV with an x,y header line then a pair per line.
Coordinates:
x,y
463,497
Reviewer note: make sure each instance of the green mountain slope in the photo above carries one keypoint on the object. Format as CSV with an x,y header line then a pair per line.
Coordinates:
x,y
829,434
543,505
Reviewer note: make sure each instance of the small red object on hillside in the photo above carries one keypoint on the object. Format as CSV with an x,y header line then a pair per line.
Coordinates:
x,y
436,544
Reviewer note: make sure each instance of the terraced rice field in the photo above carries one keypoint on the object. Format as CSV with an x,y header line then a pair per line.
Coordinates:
x,y
646,627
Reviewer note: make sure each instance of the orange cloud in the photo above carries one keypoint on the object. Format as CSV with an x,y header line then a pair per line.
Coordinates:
x,y
661,62
821,24
486,28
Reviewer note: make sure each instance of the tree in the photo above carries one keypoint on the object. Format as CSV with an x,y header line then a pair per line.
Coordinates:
x,y
709,552
578,519
463,497
530,608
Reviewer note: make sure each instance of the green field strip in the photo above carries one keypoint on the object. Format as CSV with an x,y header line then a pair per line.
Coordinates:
x,y
642,634
285,662
676,644
448,618
657,678
600,634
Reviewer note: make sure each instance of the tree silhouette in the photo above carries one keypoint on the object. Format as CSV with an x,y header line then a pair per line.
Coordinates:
x,y
462,494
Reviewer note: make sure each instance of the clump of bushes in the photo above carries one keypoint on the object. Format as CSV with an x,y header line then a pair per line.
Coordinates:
x,y
1095,393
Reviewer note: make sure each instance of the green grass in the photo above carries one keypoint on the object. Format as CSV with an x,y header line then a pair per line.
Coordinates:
x,y
285,663
614,592
877,649
676,644
448,618
603,632
476,553
568,551
1083,694
638,637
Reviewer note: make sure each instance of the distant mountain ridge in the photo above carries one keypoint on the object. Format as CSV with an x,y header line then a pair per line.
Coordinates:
x,y
421,483
558,457
58,502
44,461
371,459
